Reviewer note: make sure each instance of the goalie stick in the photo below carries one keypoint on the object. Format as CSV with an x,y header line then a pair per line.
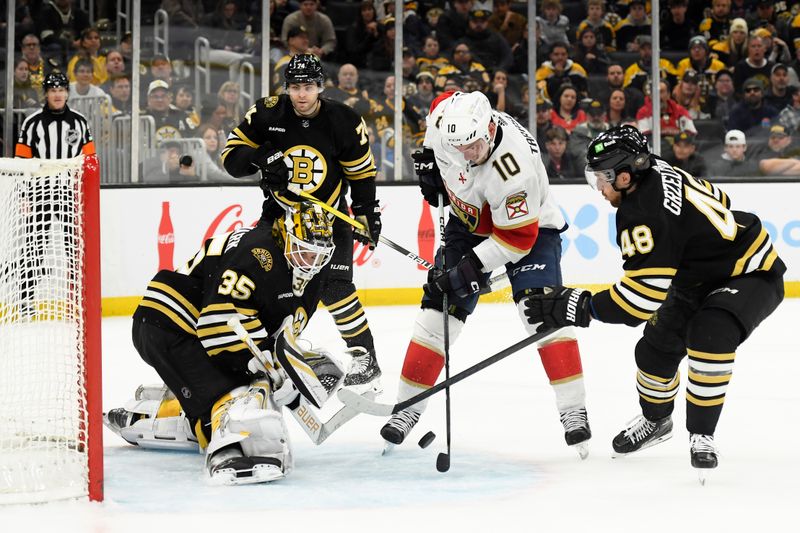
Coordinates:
x,y
303,412
493,281
370,407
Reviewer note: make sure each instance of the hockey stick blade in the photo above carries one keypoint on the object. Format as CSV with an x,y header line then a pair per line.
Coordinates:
x,y
362,405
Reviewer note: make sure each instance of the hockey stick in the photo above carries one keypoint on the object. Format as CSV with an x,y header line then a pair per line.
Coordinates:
x,y
443,459
351,399
388,242
305,415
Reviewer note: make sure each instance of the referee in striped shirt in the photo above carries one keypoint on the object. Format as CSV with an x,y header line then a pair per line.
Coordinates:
x,y
54,132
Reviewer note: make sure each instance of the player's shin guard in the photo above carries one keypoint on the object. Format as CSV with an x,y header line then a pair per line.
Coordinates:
x,y
712,340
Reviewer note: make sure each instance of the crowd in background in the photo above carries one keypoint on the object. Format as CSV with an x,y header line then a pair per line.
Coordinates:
x,y
729,89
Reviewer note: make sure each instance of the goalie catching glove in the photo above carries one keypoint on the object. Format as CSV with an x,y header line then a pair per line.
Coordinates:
x,y
463,280
430,179
559,307
369,215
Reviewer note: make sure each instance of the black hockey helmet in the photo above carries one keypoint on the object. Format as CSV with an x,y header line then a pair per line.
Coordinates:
x,y
304,68
619,149
55,79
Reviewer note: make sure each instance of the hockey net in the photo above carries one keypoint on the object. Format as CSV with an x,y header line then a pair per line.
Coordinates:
x,y
50,396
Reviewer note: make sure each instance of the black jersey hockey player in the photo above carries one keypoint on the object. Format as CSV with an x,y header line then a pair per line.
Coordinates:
x,y
702,276
322,147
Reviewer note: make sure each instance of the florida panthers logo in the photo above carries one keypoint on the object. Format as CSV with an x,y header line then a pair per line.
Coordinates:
x,y
306,165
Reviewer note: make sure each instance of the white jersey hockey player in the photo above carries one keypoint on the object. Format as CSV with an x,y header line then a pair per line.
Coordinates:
x,y
489,169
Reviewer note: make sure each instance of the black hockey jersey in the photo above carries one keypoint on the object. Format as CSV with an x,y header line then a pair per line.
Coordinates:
x,y
242,274
677,229
322,152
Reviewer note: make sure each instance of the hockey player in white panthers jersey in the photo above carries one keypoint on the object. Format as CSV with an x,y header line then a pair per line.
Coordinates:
x,y
488,168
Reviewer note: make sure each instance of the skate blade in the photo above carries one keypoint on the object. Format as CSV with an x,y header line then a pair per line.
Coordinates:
x,y
387,447
258,474
582,449
703,475
373,387
663,438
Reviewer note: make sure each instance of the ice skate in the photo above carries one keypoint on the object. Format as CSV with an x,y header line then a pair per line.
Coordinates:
x,y
642,433
704,454
394,432
230,467
576,430
364,373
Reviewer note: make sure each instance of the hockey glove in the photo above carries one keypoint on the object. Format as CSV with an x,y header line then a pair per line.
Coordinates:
x,y
559,308
369,214
463,280
274,173
430,179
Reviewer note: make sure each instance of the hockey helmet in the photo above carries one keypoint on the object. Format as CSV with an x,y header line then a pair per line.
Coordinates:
x,y
619,149
303,68
307,234
55,79
466,119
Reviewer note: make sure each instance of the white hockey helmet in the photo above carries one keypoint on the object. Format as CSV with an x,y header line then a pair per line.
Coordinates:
x,y
466,119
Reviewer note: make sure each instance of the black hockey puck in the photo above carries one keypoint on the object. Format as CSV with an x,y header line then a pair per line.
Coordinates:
x,y
426,439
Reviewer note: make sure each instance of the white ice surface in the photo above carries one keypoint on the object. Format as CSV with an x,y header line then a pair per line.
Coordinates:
x,y
510,467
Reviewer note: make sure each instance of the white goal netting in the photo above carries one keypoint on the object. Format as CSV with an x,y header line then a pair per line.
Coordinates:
x,y
43,402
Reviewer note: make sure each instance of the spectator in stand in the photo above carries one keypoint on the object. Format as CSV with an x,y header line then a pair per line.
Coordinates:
x,y
740,8
560,69
500,96
183,13
507,22
615,76
184,100
554,26
778,145
209,158
126,48
115,64
674,117
589,54
25,96
409,67
687,94
543,109
752,115
160,69
171,123
775,49
755,65
733,163
676,28
765,15
60,25
89,48
604,32
628,29
431,59
637,75
321,35
617,113
462,65
557,161
789,117
717,26
167,167
225,29
452,24
414,27
362,35
38,66
347,90
734,48
520,52
584,133
723,98
381,57
83,86
296,43
229,95
425,94
119,88
703,64
566,112
777,94
490,47
685,157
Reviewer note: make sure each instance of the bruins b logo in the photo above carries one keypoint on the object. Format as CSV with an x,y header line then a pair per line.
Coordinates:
x,y
308,168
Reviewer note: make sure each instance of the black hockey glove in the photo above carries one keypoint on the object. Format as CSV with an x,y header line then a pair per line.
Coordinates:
x,y
430,179
369,214
274,172
560,307
464,279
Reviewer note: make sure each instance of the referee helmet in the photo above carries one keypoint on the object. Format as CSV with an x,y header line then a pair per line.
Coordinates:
x,y
55,79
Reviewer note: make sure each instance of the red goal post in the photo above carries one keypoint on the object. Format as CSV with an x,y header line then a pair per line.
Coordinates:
x,y
50,319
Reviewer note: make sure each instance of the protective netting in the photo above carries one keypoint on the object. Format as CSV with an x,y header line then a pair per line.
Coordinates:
x,y
43,416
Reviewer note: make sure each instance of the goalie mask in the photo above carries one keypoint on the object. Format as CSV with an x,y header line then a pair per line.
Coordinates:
x,y
307,242
466,119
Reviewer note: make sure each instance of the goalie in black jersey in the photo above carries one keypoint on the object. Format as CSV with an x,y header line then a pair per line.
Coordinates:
x,y
321,147
216,393
701,275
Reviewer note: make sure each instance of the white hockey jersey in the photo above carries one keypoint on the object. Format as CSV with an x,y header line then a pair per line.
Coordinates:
x,y
507,198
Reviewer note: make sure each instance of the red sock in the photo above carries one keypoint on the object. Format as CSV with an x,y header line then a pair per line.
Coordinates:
x,y
422,365
561,360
